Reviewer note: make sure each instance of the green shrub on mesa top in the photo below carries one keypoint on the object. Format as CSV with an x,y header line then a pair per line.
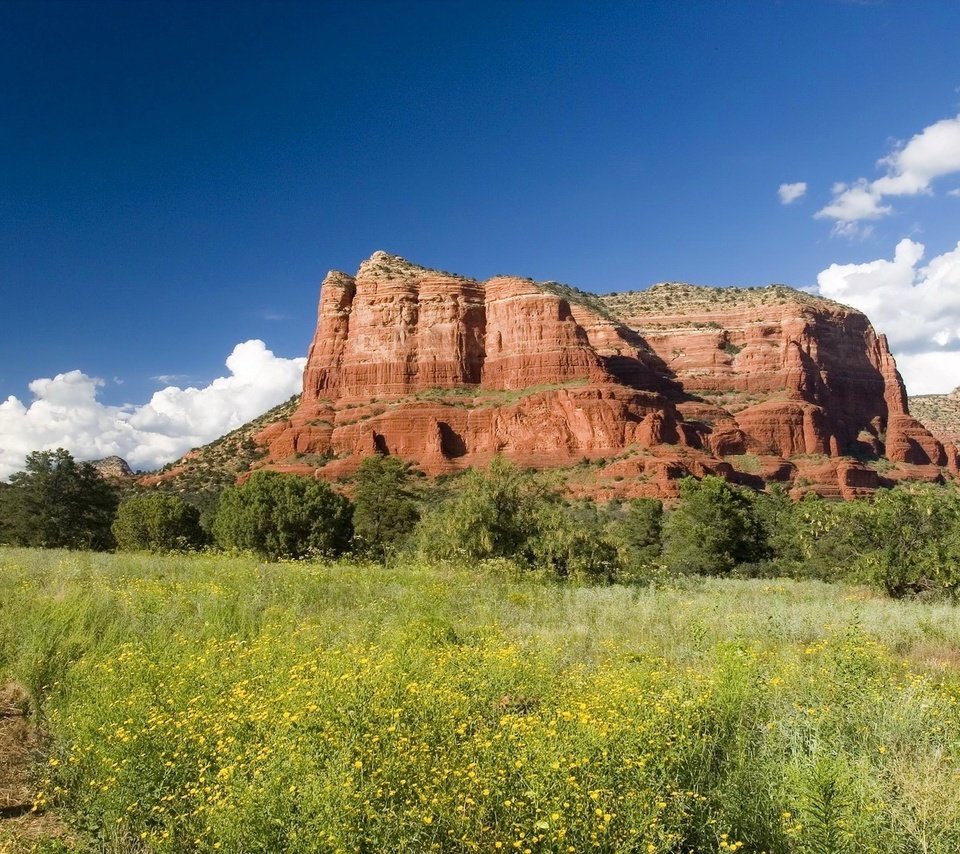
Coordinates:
x,y
157,522
284,516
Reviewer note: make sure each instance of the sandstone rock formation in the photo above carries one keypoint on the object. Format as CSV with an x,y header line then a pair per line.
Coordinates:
x,y
759,385
112,468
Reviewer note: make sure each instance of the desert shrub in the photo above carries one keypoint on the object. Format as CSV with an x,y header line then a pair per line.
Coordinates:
x,y
829,537
571,543
284,516
779,536
909,540
156,522
712,530
506,512
637,533
904,541
493,513
56,502
385,506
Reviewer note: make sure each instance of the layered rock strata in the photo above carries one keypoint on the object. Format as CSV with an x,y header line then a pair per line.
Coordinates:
x,y
757,385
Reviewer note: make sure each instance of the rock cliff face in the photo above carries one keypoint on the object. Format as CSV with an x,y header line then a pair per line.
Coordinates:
x,y
758,385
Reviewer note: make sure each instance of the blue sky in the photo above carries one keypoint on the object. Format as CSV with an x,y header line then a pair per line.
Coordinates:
x,y
176,178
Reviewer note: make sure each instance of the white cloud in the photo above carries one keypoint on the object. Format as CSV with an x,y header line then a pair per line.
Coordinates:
x,y
955,192
910,170
65,413
936,372
791,192
852,204
917,307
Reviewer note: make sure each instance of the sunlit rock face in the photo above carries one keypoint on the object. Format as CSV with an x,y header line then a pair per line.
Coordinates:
x,y
755,384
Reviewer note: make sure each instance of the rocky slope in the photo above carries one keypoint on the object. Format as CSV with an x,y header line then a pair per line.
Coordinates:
x,y
219,464
940,413
624,392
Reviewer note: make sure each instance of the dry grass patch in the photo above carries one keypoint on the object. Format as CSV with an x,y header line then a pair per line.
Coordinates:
x,y
22,828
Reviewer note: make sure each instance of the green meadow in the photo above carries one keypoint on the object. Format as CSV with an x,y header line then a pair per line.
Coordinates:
x,y
213,703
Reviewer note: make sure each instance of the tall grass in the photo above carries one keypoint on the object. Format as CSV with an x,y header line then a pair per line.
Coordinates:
x,y
210,703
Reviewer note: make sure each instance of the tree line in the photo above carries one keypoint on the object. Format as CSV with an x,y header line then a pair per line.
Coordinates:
x,y
905,540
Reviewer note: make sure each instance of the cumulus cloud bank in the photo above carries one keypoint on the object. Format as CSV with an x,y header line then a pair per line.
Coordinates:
x,y
65,412
789,193
918,307
910,170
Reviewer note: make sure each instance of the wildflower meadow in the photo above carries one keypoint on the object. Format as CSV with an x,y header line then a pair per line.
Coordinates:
x,y
213,703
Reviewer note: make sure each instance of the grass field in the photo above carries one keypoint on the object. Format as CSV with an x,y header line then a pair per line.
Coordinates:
x,y
209,703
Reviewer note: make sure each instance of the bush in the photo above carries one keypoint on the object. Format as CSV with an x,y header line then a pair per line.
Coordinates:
x,y
385,509
829,537
284,516
156,522
910,541
712,530
573,544
637,534
493,513
506,512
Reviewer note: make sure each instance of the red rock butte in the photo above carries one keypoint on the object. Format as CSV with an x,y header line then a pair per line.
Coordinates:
x,y
757,385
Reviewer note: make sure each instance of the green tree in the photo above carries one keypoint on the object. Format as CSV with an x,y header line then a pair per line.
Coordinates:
x,y
712,529
493,513
829,537
56,502
157,522
637,534
571,542
284,516
909,540
780,524
385,508
506,512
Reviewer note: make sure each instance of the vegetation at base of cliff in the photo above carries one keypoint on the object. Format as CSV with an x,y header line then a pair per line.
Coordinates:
x,y
283,517
385,506
157,522
497,668
904,541
204,703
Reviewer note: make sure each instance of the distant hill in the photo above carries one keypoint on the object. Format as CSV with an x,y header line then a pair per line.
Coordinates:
x,y
113,468
940,413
